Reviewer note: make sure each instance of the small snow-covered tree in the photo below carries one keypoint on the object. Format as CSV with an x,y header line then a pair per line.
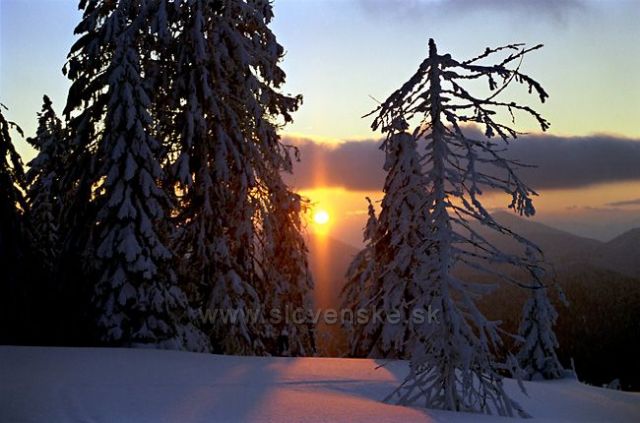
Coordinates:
x,y
135,292
453,360
12,239
395,256
45,186
359,290
537,355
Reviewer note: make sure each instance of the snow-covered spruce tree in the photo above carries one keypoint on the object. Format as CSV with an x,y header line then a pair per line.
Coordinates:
x,y
12,240
45,187
537,355
135,292
359,290
397,254
46,193
219,106
453,363
282,266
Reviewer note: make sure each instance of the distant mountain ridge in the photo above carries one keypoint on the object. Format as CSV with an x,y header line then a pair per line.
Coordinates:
x,y
561,248
621,254
601,281
564,249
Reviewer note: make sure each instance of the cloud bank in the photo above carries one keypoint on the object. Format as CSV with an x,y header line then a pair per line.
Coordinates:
x,y
635,202
562,162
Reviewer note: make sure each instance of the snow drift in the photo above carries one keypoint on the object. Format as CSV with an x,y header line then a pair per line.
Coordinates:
x,y
124,385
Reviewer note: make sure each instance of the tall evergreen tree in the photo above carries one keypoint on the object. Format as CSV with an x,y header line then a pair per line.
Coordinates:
x,y
454,364
135,292
46,194
45,187
13,295
202,78
221,102
397,255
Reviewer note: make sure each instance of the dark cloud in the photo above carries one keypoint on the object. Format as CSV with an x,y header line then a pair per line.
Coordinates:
x,y
553,10
561,162
354,165
574,162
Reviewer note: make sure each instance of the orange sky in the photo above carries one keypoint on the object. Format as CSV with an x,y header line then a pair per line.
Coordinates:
x,y
584,211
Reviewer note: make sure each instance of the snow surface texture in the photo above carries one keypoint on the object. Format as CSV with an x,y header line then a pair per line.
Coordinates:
x,y
126,385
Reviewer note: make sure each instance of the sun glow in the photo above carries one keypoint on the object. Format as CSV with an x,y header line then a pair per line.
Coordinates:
x,y
321,217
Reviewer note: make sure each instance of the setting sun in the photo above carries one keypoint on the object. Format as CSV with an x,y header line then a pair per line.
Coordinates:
x,y
321,217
